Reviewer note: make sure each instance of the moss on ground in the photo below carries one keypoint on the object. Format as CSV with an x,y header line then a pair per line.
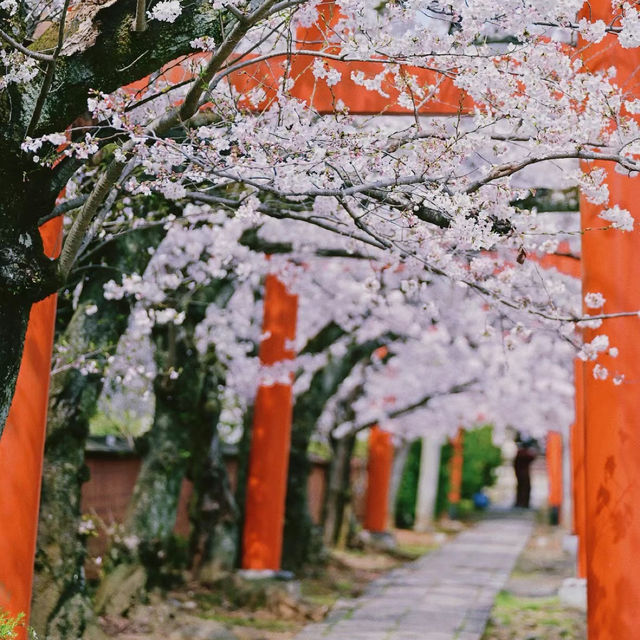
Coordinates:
x,y
528,608
533,618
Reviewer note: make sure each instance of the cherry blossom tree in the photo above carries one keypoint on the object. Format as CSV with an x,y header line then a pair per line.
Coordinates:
x,y
434,191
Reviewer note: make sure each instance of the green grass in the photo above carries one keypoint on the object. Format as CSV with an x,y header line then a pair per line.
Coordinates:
x,y
415,550
508,601
254,623
539,618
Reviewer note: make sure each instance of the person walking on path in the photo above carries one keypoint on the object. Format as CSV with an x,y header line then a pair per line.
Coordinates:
x,y
527,452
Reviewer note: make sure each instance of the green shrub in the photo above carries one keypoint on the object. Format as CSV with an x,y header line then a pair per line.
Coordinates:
x,y
405,507
480,459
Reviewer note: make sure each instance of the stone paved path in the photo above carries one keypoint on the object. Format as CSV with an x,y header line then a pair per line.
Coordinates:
x,y
445,595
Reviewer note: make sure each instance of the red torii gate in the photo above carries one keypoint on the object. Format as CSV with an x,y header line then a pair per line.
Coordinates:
x,y
608,412
611,418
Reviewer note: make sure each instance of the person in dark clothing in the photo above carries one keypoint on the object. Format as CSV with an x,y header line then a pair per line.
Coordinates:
x,y
526,454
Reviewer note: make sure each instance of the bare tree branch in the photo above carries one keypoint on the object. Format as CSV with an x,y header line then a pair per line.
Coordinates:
x,y
36,55
140,24
49,73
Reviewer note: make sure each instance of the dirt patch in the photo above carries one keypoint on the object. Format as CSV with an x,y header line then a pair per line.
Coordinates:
x,y
238,609
529,608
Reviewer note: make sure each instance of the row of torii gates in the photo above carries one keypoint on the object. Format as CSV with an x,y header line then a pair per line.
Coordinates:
x,y
605,437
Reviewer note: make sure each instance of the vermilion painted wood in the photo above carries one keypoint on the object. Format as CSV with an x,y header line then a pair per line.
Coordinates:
x,y
612,422
379,469
611,265
554,468
21,450
455,468
578,472
447,100
573,267
270,438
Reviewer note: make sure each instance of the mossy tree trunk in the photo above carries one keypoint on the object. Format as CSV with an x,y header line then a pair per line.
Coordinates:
x,y
178,389
338,496
26,273
213,511
178,445
338,489
302,540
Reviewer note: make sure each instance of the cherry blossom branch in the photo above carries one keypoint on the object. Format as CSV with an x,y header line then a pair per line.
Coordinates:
x,y
63,207
318,54
418,404
505,170
222,53
160,126
281,213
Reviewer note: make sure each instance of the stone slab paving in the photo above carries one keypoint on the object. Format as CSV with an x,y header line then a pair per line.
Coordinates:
x,y
446,595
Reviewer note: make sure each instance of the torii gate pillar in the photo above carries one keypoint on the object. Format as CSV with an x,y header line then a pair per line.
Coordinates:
x,y
612,417
378,480
455,472
21,453
270,438
578,473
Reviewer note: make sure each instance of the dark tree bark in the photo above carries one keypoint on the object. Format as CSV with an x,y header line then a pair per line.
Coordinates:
x,y
338,496
338,489
152,511
213,510
26,274
301,538
178,445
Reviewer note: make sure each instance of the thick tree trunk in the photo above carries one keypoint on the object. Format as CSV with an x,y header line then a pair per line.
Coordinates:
x,y
302,540
338,490
14,316
141,558
152,511
214,515
185,421
26,273
60,606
